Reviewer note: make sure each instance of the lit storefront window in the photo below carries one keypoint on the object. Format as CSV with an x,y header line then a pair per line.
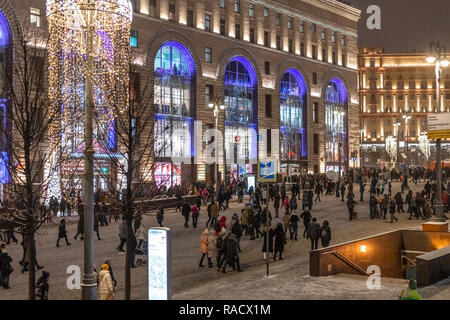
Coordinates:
x,y
293,140
167,174
240,113
173,72
336,111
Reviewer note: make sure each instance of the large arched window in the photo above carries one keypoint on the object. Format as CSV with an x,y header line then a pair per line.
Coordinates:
x,y
240,93
336,130
174,72
293,118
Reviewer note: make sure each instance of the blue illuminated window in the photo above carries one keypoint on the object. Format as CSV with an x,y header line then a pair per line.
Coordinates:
x,y
134,39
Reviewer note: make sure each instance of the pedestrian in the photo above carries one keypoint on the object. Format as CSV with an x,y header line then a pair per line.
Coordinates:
x,y
43,286
280,239
244,219
294,225
80,224
96,225
325,234
141,235
385,205
62,233
105,284
306,216
286,221
373,204
399,202
276,203
214,213
203,246
160,216
195,213
109,263
212,247
232,256
185,211
392,206
5,267
236,230
313,233
220,244
351,206
122,235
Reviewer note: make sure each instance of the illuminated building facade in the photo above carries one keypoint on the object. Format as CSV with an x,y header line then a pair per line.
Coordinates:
x,y
391,86
281,68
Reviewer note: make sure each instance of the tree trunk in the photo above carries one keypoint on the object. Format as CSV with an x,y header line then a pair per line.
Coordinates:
x,y
128,257
31,266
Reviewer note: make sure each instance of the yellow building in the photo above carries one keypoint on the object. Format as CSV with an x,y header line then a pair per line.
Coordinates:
x,y
392,86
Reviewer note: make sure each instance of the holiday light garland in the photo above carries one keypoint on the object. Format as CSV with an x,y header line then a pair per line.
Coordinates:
x,y
424,145
391,147
71,24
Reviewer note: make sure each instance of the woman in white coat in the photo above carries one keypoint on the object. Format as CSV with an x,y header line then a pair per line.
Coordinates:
x,y
105,285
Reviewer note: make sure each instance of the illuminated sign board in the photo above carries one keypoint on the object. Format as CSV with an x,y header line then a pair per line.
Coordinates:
x,y
251,182
159,264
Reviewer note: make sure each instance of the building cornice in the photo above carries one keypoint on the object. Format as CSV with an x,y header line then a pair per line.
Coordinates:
x,y
322,4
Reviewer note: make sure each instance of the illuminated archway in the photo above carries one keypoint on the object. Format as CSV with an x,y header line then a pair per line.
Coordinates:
x,y
293,120
174,72
336,128
241,115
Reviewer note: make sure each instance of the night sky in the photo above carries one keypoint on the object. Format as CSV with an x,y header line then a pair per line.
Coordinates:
x,y
406,24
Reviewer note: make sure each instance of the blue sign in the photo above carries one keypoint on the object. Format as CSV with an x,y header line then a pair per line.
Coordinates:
x,y
267,170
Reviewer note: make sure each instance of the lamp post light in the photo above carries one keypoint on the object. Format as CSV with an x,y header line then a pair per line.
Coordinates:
x,y
396,125
217,105
438,57
407,117
362,133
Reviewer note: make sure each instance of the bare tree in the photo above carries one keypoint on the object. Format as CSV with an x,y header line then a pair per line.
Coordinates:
x,y
27,157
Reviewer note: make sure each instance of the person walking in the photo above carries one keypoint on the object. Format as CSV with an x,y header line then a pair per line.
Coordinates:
x,y
122,235
399,202
236,230
108,261
80,224
220,244
5,267
351,206
105,284
42,286
286,221
276,203
62,233
306,216
294,225
195,213
141,235
244,219
232,256
96,225
325,234
280,240
214,212
313,233
212,247
385,205
203,246
266,241
392,207
160,216
185,211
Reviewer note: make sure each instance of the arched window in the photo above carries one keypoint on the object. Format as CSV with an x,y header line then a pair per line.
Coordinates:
x,y
336,129
174,72
293,117
240,95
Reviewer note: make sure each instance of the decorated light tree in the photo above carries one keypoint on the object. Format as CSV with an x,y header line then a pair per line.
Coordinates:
x,y
89,56
391,148
424,145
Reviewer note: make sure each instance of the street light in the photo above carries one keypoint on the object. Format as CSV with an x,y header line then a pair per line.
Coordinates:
x,y
439,58
217,105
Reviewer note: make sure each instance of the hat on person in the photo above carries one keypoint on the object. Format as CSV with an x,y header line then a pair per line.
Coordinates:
x,y
45,274
105,267
412,284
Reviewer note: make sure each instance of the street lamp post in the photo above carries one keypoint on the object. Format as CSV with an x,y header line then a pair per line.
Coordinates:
x,y
362,132
396,125
217,105
438,57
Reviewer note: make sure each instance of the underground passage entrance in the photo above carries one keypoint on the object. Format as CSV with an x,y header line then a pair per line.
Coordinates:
x,y
406,254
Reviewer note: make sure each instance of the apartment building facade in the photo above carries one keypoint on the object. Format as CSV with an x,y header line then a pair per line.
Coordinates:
x,y
286,72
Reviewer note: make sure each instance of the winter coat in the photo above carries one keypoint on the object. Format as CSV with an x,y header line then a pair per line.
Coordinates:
x,y
286,220
230,247
279,239
212,243
141,233
214,210
223,222
313,231
80,225
236,229
325,234
123,230
271,235
62,230
204,241
286,203
96,222
244,216
105,285
194,212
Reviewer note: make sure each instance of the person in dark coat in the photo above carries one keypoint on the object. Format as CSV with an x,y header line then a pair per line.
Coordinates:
x,y
271,235
280,238
231,256
399,202
160,216
43,286
373,205
306,216
351,205
62,233
342,191
325,234
5,267
185,211
80,225
293,226
96,222
276,204
313,233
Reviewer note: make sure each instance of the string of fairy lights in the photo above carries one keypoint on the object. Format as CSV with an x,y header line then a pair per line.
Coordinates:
x,y
71,23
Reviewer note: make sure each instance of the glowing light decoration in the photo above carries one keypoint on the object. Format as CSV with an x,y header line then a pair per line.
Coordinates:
x,y
89,43
391,147
424,145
